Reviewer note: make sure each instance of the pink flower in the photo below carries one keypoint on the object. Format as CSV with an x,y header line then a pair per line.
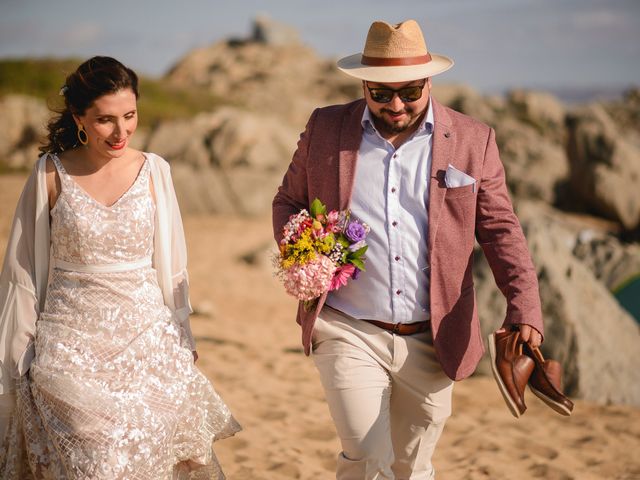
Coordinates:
x,y
333,216
342,276
309,281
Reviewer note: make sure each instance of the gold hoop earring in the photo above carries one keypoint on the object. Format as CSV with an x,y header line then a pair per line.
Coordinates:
x,y
83,138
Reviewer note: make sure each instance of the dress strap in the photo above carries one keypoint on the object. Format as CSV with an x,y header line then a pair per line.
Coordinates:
x,y
145,173
62,173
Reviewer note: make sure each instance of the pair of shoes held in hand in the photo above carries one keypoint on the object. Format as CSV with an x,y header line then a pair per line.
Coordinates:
x,y
515,364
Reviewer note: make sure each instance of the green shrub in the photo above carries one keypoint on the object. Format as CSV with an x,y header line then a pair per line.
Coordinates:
x,y
42,78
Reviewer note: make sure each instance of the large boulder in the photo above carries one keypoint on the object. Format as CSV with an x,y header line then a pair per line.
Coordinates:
x,y
468,101
586,330
605,165
267,74
22,129
535,165
611,261
228,161
272,32
541,110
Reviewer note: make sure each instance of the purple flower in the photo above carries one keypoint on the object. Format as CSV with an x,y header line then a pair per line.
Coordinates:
x,y
356,273
355,232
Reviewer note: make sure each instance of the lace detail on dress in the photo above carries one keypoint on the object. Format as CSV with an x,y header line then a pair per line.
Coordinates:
x,y
88,232
111,393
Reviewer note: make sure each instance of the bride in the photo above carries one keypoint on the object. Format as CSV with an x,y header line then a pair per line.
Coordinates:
x,y
98,377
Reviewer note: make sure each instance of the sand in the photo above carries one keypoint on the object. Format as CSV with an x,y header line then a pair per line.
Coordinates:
x,y
249,346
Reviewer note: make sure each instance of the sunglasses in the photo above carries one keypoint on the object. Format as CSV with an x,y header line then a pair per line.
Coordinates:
x,y
406,94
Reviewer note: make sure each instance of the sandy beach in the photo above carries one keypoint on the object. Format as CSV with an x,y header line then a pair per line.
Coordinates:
x,y
249,346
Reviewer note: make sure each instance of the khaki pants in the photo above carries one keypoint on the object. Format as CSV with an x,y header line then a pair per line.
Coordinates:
x,y
387,394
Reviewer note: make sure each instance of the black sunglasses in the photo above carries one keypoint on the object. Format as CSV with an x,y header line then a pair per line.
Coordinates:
x,y
406,94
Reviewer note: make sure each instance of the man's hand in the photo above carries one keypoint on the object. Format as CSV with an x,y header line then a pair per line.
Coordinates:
x,y
530,335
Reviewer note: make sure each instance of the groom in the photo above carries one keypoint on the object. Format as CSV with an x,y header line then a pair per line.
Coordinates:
x,y
428,181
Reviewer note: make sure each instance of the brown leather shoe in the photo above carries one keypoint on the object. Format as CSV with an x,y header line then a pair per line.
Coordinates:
x,y
546,382
511,368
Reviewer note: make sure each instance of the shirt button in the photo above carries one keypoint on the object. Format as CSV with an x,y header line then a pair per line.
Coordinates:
x,y
393,189
398,292
397,258
394,223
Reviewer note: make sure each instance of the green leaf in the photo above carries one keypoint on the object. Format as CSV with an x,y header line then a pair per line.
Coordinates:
x,y
358,263
361,251
317,208
342,240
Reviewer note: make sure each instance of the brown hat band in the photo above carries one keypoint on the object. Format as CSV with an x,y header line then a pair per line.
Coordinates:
x,y
395,62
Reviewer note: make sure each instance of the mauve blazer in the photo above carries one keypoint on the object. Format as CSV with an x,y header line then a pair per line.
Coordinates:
x,y
323,166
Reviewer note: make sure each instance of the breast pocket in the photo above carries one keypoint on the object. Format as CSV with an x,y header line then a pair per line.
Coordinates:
x,y
459,212
459,192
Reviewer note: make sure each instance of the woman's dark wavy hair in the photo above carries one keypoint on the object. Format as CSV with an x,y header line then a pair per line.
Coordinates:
x,y
96,77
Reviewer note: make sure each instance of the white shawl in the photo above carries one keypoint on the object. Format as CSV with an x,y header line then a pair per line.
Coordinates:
x,y
25,272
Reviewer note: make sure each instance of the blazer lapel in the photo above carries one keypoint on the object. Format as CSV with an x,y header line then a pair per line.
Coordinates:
x,y
350,138
443,148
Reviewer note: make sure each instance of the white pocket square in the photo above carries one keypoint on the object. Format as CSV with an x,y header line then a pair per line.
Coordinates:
x,y
454,178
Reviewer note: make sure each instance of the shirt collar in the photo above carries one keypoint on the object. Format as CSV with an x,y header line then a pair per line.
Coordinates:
x,y
425,128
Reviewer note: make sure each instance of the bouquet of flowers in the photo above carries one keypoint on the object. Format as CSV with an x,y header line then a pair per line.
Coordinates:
x,y
320,251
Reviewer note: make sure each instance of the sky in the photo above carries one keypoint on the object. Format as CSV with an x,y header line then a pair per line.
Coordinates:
x,y
496,44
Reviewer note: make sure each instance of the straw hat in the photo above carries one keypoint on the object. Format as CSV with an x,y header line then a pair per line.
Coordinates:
x,y
394,53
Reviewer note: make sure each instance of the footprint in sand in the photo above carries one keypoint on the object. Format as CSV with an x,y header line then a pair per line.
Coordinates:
x,y
542,470
273,415
477,444
237,443
327,459
582,441
287,470
541,451
322,434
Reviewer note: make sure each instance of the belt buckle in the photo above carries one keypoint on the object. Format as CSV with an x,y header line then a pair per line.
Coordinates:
x,y
396,328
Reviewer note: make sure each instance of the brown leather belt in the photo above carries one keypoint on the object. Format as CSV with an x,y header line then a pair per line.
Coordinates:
x,y
402,328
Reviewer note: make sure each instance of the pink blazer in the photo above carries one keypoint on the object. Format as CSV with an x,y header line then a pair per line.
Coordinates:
x,y
323,166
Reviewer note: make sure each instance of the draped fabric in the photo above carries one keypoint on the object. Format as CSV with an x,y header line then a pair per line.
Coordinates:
x,y
101,348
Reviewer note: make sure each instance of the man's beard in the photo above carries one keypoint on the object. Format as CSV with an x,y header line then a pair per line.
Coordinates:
x,y
389,127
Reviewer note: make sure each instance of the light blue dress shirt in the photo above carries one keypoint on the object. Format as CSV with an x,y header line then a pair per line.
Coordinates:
x,y
390,194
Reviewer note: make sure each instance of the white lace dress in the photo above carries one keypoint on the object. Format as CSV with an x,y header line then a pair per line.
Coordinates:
x,y
112,392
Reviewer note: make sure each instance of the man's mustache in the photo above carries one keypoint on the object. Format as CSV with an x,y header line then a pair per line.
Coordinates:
x,y
404,110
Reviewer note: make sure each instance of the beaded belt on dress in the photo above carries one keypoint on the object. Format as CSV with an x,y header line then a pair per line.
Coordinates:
x,y
103,268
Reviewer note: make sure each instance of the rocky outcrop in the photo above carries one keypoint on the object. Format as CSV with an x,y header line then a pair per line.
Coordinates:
x,y
605,165
612,262
540,110
22,127
284,79
228,161
535,165
586,329
271,32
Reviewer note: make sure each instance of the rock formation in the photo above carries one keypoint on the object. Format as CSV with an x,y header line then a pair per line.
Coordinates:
x,y
22,126
586,329
605,165
232,159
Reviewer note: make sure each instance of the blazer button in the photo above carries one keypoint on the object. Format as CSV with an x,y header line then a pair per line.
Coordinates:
x,y
397,258
394,223
398,292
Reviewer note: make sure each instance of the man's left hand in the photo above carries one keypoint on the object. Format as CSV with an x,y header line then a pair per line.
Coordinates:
x,y
530,335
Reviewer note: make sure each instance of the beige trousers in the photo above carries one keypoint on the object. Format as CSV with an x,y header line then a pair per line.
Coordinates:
x,y
387,394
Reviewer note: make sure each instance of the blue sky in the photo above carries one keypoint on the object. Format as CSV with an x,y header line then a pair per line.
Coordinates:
x,y
496,44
